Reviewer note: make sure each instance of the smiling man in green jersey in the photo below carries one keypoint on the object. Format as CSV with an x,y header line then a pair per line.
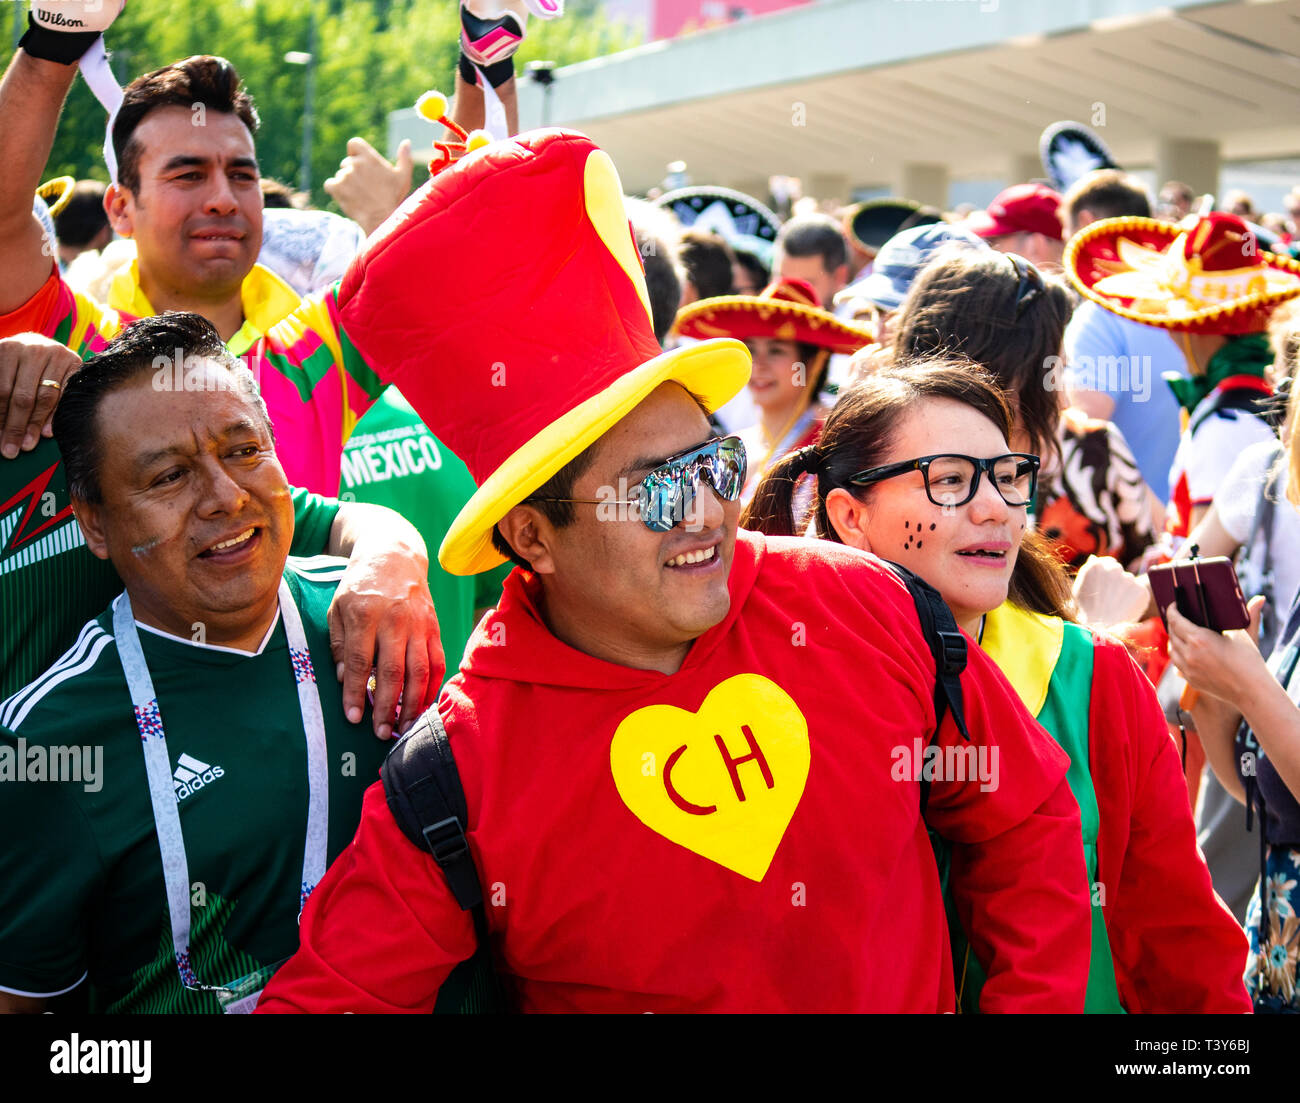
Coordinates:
x,y
227,776
50,584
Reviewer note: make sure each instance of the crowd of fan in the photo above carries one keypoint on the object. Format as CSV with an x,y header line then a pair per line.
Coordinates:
x,y
235,428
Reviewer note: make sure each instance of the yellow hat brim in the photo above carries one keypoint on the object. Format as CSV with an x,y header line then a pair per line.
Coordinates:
x,y
714,371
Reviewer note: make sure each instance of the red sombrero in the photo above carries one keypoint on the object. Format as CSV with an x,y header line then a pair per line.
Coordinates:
x,y
1204,275
785,309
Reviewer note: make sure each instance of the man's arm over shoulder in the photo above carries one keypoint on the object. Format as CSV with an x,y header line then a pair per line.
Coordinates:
x,y
380,934
1176,946
1018,873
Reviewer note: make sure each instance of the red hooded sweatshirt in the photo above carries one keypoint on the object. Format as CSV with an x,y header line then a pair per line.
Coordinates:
x,y
742,835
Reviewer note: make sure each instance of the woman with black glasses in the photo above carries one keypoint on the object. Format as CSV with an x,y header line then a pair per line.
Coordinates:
x,y
914,465
1000,311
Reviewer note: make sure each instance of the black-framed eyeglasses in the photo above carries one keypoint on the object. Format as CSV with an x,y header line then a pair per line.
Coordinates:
x,y
1029,283
952,479
667,495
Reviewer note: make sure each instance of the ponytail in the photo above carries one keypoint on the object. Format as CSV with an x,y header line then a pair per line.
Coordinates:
x,y
771,511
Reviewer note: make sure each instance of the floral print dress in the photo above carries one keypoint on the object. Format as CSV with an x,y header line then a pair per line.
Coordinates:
x,y
1274,962
1272,924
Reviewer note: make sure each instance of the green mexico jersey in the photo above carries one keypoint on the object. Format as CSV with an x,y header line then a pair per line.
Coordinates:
x,y
50,584
82,893
391,459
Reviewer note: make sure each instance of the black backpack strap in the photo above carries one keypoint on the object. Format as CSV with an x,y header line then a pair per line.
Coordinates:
x,y
422,786
424,794
947,645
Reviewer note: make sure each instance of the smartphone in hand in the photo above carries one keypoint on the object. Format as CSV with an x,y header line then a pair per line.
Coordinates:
x,y
1205,591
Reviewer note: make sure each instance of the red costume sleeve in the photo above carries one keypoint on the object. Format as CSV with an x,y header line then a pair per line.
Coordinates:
x,y
35,315
380,934
1018,874
1176,946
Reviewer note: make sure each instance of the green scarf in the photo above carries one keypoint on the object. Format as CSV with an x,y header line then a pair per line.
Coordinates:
x,y
1248,355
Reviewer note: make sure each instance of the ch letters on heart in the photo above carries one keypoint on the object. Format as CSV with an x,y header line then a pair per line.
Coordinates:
x,y
723,782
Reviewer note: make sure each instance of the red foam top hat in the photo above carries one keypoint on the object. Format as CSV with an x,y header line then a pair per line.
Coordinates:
x,y
506,300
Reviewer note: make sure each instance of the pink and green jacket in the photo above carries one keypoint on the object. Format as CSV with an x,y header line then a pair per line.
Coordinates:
x,y
315,383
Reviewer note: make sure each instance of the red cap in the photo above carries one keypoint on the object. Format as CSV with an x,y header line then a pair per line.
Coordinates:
x,y
1022,209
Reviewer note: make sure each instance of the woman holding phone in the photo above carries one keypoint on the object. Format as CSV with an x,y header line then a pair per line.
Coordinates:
x,y
1248,717
914,465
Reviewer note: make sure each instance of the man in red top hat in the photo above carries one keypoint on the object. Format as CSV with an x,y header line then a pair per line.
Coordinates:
x,y
690,754
1025,220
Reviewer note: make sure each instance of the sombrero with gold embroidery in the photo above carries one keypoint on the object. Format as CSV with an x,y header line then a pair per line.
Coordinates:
x,y
785,309
1203,275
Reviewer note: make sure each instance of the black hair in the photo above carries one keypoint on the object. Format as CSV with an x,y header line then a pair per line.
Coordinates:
x,y
163,345
559,514
759,272
707,260
661,281
202,79
966,303
814,235
84,217
560,485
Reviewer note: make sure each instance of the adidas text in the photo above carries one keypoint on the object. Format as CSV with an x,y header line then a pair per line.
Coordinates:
x,y
191,775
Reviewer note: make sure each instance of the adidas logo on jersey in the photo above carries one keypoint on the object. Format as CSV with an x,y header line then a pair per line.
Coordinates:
x,y
191,775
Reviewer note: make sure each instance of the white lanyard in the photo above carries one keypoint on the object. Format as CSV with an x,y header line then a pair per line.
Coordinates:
x,y
166,809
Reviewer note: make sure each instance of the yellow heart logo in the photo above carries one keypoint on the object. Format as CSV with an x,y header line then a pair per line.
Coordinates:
x,y
722,782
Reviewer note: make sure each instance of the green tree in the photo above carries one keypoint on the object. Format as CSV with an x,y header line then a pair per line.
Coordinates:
x,y
372,56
